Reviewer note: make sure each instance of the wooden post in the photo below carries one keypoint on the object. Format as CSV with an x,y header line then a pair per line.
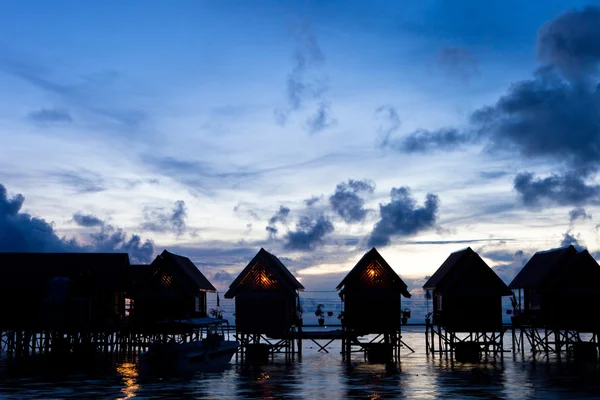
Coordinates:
x,y
439,333
557,344
426,337
502,332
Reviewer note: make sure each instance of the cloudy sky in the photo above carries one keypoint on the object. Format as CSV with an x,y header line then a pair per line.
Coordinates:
x,y
314,129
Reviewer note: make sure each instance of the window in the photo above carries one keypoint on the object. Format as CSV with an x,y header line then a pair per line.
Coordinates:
x,y
534,299
166,280
128,307
197,305
438,302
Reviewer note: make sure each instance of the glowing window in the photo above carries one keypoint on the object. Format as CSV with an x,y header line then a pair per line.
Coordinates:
x,y
166,280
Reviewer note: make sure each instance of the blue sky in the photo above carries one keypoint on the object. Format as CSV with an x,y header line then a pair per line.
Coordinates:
x,y
313,129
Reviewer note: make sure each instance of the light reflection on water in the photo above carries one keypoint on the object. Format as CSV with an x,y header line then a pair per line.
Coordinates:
x,y
326,376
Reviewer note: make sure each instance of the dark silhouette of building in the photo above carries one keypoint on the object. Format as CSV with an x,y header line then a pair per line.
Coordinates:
x,y
266,296
467,298
170,288
372,294
266,303
557,291
62,291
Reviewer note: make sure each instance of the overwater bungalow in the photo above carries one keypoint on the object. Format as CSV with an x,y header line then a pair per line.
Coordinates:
x,y
467,308
559,289
467,294
372,294
170,288
266,297
62,291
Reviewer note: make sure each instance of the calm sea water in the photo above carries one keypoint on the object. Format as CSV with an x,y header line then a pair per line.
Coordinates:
x,y
321,375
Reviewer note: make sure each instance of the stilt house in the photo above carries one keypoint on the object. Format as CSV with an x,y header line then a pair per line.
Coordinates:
x,y
467,294
372,294
266,297
559,289
171,288
63,291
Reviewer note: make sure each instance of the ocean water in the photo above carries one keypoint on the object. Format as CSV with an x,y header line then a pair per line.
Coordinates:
x,y
319,375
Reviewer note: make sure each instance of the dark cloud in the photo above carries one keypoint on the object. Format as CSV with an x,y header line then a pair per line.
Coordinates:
x,y
567,189
458,62
321,119
222,276
82,182
307,57
20,232
389,123
402,217
425,141
578,213
553,117
312,201
87,220
161,220
272,232
572,42
492,174
546,117
310,232
346,201
306,82
50,116
502,255
280,216
111,239
508,262
570,239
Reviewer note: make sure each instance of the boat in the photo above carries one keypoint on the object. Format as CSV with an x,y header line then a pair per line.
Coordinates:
x,y
170,358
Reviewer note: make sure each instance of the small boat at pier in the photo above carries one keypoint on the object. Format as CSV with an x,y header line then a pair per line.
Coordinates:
x,y
212,353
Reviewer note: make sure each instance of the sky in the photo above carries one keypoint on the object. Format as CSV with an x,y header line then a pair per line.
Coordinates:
x,y
316,130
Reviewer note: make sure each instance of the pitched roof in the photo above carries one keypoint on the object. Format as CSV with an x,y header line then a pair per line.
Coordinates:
x,y
390,277
540,266
463,268
280,274
188,268
580,272
33,271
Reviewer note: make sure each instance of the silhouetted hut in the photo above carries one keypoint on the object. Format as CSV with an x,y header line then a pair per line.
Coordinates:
x,y
372,293
266,297
467,294
559,289
62,291
171,288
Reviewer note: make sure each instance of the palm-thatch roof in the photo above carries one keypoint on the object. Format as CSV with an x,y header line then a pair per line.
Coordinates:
x,y
264,272
372,272
185,266
542,266
464,271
